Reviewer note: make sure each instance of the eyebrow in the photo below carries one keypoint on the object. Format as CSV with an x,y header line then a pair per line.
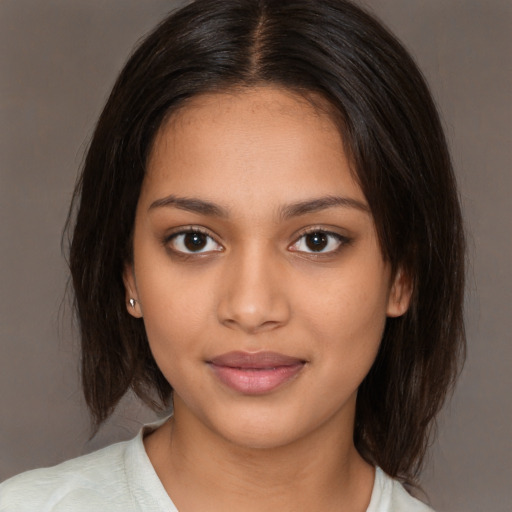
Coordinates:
x,y
190,204
322,203
208,208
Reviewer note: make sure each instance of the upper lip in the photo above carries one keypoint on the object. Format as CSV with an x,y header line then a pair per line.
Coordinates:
x,y
255,360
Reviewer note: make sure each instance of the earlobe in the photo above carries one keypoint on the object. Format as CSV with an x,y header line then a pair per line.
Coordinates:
x,y
131,295
400,294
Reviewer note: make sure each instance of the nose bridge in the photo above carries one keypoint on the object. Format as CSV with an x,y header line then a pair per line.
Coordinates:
x,y
253,297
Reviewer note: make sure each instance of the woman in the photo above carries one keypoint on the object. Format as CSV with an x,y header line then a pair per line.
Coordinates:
x,y
268,237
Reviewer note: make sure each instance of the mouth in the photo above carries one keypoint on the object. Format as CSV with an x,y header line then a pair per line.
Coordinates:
x,y
255,373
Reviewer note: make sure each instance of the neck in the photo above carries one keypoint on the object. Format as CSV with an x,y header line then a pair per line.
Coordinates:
x,y
201,470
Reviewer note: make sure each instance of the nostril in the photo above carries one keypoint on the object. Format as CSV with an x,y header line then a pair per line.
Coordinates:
x,y
253,320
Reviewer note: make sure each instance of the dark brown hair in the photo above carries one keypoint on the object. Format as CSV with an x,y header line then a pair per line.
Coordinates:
x,y
392,130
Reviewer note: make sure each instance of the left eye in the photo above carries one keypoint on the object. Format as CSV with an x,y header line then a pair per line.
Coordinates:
x,y
193,242
318,242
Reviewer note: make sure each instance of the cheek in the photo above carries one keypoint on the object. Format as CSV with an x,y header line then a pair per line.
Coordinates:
x,y
346,317
176,311
347,340
349,302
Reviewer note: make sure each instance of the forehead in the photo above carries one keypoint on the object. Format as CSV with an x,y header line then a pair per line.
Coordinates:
x,y
257,140
278,100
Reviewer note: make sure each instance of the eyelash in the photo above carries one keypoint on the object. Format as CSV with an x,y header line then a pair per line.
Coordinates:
x,y
340,241
189,231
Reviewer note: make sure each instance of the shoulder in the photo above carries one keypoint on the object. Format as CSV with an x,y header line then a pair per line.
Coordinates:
x,y
83,484
401,500
390,496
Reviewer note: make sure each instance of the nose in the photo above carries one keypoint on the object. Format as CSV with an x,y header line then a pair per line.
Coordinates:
x,y
253,294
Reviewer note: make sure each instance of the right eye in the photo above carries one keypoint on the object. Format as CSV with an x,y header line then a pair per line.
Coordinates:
x,y
193,242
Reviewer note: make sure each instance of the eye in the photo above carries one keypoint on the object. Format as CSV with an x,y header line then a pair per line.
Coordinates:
x,y
319,241
193,242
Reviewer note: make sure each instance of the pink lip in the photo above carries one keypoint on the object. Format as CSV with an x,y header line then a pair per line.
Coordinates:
x,y
255,373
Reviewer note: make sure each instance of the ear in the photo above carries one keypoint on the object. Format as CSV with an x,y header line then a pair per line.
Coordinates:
x,y
131,295
399,294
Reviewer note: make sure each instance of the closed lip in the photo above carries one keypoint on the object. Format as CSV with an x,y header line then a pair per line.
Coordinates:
x,y
255,373
256,360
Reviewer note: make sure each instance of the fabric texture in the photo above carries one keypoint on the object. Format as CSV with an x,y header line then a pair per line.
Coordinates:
x,y
120,478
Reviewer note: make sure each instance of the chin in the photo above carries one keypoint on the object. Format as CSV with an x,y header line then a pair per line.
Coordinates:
x,y
264,438
263,428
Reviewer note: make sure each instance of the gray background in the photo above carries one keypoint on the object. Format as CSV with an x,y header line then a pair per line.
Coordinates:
x,y
58,61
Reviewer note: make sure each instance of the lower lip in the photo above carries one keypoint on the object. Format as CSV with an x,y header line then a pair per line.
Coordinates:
x,y
256,381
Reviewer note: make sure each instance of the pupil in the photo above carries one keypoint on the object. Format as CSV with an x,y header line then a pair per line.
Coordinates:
x,y
316,241
195,241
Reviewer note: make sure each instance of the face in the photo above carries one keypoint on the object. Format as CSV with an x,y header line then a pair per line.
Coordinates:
x,y
257,269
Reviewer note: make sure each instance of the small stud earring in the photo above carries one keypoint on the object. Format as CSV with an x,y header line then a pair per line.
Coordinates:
x,y
132,303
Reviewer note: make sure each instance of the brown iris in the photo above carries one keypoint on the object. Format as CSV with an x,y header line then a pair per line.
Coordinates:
x,y
317,241
195,241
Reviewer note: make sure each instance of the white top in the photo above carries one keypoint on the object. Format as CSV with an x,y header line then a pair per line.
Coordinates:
x,y
120,478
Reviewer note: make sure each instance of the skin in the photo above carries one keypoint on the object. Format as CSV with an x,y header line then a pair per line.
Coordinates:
x,y
258,286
